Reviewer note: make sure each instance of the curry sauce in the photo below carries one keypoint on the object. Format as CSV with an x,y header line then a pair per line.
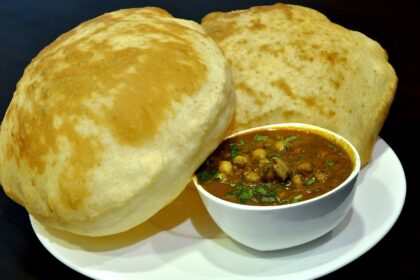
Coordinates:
x,y
274,167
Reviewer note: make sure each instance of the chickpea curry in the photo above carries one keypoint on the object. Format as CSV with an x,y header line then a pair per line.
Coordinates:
x,y
274,167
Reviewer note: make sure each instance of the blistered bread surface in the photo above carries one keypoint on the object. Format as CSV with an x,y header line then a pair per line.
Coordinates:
x,y
292,64
108,123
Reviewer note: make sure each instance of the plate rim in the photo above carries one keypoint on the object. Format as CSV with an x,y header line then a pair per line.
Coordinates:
x,y
310,273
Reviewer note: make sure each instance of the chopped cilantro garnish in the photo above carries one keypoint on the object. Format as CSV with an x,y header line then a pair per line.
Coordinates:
x,y
215,174
261,190
310,181
260,137
268,199
241,192
208,176
331,146
273,155
329,163
245,195
235,147
272,192
291,138
282,200
264,192
202,175
297,197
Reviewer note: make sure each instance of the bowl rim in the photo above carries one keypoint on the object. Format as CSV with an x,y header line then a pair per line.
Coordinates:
x,y
352,151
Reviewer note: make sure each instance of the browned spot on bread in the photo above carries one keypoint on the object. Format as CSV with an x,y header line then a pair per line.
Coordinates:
x,y
333,57
335,83
257,25
134,88
245,88
282,84
286,9
271,50
287,114
259,97
306,57
333,100
310,101
308,32
221,32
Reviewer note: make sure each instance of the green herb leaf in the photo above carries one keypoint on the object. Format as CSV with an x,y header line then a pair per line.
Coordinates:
x,y
310,181
208,176
273,192
241,192
273,155
281,200
260,137
297,197
235,147
329,163
215,174
331,146
218,177
268,199
234,151
291,138
202,175
245,195
267,185
239,185
261,190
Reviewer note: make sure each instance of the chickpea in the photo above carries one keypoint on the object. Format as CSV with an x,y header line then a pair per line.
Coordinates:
x,y
259,153
252,177
226,167
240,161
281,146
305,168
297,180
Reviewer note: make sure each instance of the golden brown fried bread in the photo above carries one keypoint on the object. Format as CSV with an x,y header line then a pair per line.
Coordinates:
x,y
291,64
109,122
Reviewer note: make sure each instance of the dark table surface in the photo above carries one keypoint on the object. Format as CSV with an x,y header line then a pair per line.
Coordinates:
x,y
27,26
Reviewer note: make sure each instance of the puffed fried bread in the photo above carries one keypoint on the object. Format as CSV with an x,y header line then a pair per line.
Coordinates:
x,y
109,122
292,64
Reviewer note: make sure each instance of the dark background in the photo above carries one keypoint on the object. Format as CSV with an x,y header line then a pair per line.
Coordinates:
x,y
26,26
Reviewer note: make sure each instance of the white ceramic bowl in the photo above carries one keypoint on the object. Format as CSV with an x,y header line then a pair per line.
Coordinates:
x,y
267,228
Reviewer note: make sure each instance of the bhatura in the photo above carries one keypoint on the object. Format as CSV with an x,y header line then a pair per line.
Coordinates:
x,y
109,122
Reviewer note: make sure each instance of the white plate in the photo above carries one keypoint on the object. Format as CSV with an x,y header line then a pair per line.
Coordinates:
x,y
182,242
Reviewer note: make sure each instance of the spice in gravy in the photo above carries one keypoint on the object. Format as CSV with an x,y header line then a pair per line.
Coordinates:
x,y
274,167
